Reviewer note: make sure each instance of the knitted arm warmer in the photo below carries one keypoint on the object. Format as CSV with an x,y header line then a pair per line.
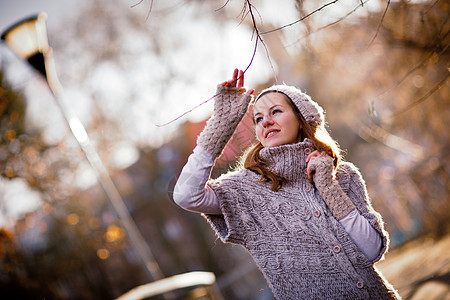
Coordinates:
x,y
330,190
230,106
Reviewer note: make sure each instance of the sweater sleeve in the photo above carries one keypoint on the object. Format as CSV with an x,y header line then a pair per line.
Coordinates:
x,y
354,185
191,191
362,234
230,106
194,192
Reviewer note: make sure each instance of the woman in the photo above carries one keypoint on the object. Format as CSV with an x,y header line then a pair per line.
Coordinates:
x,y
303,215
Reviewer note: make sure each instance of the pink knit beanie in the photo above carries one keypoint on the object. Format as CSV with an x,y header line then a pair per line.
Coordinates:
x,y
310,110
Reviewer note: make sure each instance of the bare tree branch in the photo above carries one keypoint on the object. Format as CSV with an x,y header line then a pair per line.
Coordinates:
x,y
301,19
331,24
150,9
247,10
421,99
412,70
431,6
421,63
223,6
255,32
136,4
186,112
381,22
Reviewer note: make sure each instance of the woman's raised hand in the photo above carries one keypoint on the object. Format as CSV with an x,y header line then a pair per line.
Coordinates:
x,y
230,105
237,81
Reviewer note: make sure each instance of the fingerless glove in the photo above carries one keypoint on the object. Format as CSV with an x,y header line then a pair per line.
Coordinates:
x,y
330,190
230,106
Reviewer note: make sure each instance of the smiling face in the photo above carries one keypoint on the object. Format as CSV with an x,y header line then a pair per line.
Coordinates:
x,y
276,123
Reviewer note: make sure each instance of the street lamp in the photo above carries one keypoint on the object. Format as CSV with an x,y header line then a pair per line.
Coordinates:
x,y
28,39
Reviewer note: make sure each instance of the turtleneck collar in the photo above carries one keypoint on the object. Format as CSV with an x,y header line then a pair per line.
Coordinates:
x,y
288,161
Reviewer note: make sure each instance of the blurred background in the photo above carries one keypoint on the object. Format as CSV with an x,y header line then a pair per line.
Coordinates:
x,y
380,70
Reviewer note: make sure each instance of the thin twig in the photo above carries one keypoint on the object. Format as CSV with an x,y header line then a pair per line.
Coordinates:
x,y
421,99
431,6
342,18
185,113
244,13
207,100
258,35
301,19
248,10
408,73
222,7
149,11
330,24
255,32
134,5
381,22
422,62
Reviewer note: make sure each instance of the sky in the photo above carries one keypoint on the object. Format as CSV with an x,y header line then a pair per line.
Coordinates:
x,y
12,11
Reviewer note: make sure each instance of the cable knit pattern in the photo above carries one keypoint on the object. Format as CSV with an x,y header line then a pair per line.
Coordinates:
x,y
302,250
325,181
230,106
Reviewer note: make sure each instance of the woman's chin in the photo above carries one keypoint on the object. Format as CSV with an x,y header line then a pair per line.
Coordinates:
x,y
272,143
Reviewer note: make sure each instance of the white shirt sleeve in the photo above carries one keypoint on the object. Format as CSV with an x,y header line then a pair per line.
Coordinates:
x,y
191,191
363,234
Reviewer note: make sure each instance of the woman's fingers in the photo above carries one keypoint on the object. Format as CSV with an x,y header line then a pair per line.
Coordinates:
x,y
236,81
312,155
309,158
240,82
231,82
235,77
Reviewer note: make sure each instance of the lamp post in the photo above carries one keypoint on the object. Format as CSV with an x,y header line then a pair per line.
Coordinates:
x,y
28,39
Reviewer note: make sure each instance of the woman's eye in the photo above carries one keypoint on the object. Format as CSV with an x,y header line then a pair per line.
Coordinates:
x,y
275,111
257,120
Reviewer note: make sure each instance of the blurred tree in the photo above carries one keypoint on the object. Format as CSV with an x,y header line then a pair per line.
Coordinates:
x,y
61,247
19,159
14,280
382,77
418,35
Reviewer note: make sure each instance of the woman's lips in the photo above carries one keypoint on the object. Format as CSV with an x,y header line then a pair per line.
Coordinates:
x,y
271,133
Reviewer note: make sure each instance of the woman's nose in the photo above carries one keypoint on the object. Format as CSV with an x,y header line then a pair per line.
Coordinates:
x,y
267,121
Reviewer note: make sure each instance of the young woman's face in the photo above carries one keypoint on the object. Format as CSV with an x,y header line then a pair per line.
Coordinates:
x,y
275,121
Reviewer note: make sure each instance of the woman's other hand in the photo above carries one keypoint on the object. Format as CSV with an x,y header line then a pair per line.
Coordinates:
x,y
311,157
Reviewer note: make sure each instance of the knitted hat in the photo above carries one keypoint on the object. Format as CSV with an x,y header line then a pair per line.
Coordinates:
x,y
310,110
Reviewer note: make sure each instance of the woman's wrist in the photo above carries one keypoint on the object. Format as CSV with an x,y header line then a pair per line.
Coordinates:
x,y
336,199
328,186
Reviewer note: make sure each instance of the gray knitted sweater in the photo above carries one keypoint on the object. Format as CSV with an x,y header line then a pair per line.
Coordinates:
x,y
300,247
